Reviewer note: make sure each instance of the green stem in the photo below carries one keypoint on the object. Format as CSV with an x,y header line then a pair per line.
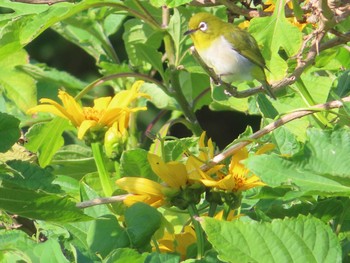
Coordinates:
x,y
212,209
104,79
192,209
181,99
102,171
227,210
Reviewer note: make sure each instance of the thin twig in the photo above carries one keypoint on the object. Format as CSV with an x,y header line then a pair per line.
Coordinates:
x,y
273,126
101,201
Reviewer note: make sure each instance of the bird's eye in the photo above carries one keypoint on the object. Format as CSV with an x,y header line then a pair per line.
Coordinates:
x,y
203,26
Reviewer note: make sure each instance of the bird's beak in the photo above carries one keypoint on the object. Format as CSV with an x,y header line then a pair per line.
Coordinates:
x,y
189,32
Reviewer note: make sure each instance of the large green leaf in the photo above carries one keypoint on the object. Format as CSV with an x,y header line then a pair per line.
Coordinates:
x,y
16,246
169,3
18,86
142,221
275,33
73,160
322,167
29,177
9,131
137,32
46,138
38,205
106,234
51,78
87,31
125,255
302,239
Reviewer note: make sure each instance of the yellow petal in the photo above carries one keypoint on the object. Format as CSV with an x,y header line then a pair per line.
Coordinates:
x,y
173,174
267,147
74,110
154,201
126,97
139,185
48,108
102,103
111,116
84,127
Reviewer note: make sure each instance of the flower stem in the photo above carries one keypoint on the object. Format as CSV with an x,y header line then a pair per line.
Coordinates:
x,y
212,209
192,209
102,171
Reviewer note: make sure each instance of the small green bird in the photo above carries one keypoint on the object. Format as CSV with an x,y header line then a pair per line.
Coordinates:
x,y
231,52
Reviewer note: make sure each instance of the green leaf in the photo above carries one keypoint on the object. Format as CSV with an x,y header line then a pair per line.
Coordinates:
x,y
158,97
46,74
137,32
41,206
322,167
45,139
19,87
142,221
285,141
175,149
29,177
105,234
78,236
87,193
134,163
152,56
86,31
48,251
73,160
302,239
16,243
275,33
169,3
125,255
163,258
343,87
9,131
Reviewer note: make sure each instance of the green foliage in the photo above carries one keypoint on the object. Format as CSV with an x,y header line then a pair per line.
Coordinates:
x,y
9,131
320,168
53,201
289,240
42,135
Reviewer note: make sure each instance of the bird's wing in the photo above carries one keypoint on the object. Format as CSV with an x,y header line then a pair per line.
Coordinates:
x,y
245,44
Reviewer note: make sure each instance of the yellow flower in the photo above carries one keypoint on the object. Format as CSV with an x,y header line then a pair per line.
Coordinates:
x,y
174,174
104,113
142,190
178,243
206,154
237,179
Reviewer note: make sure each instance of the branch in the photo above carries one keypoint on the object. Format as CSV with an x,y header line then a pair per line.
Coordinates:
x,y
273,126
101,201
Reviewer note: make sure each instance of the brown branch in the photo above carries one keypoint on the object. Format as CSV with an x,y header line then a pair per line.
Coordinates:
x,y
101,201
273,126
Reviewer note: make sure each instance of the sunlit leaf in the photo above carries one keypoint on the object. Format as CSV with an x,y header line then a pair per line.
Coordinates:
x,y
322,167
46,138
9,131
302,239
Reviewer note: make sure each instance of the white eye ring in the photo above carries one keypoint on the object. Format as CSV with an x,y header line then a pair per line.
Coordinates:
x,y
203,26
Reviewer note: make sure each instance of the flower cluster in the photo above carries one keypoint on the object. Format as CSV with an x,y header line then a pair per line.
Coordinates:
x,y
93,122
184,183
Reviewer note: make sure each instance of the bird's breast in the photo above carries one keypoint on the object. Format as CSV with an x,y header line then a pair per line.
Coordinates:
x,y
226,62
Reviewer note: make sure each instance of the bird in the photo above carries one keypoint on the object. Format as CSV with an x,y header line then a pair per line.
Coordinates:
x,y
231,52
